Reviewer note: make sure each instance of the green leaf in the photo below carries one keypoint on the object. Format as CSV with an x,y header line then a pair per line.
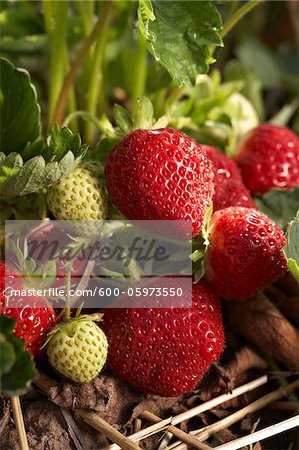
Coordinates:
x,y
162,122
285,113
197,255
61,141
291,251
34,148
7,355
279,204
18,380
17,368
62,155
144,115
44,276
34,174
19,110
27,44
7,324
252,85
179,35
242,118
122,118
254,54
104,148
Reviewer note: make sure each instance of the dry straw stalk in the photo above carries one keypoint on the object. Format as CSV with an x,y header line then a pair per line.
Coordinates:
x,y
204,433
160,426
19,422
273,430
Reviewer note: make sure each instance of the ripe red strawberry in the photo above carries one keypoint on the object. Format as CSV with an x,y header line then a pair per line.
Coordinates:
x,y
160,175
269,158
229,187
33,323
166,351
245,253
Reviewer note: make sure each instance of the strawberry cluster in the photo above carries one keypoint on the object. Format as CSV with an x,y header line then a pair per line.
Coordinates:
x,y
165,175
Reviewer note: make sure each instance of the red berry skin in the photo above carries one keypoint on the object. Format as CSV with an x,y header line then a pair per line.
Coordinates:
x,y
166,351
160,175
33,323
269,158
229,187
245,253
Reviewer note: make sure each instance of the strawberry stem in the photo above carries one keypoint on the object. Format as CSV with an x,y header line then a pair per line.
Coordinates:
x,y
56,14
76,66
140,70
96,102
237,16
67,312
143,114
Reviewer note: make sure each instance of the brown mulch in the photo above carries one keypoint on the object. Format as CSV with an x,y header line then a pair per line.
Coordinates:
x,y
260,331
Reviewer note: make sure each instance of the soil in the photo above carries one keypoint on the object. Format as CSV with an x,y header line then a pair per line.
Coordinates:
x,y
51,423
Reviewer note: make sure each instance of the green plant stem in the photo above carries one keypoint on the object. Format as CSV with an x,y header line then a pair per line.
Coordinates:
x,y
95,94
72,103
67,312
43,210
48,15
82,114
140,70
57,39
86,9
75,67
237,16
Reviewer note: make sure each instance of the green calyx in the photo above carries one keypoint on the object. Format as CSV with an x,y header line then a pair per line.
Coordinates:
x,y
143,118
291,251
200,246
69,326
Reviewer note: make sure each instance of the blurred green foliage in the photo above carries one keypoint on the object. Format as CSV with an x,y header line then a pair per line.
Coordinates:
x,y
263,43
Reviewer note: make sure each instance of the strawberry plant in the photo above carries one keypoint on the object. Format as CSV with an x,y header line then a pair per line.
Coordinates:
x,y
17,365
117,115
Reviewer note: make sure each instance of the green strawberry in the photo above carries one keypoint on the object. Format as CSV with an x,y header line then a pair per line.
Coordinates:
x,y
79,196
78,348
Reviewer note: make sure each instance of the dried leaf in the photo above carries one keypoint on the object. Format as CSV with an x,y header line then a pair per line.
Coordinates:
x,y
288,305
160,406
288,285
257,446
113,399
227,436
244,360
234,373
262,324
74,432
5,415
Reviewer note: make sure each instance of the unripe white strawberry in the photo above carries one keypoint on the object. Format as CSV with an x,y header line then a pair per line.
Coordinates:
x,y
78,348
79,196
